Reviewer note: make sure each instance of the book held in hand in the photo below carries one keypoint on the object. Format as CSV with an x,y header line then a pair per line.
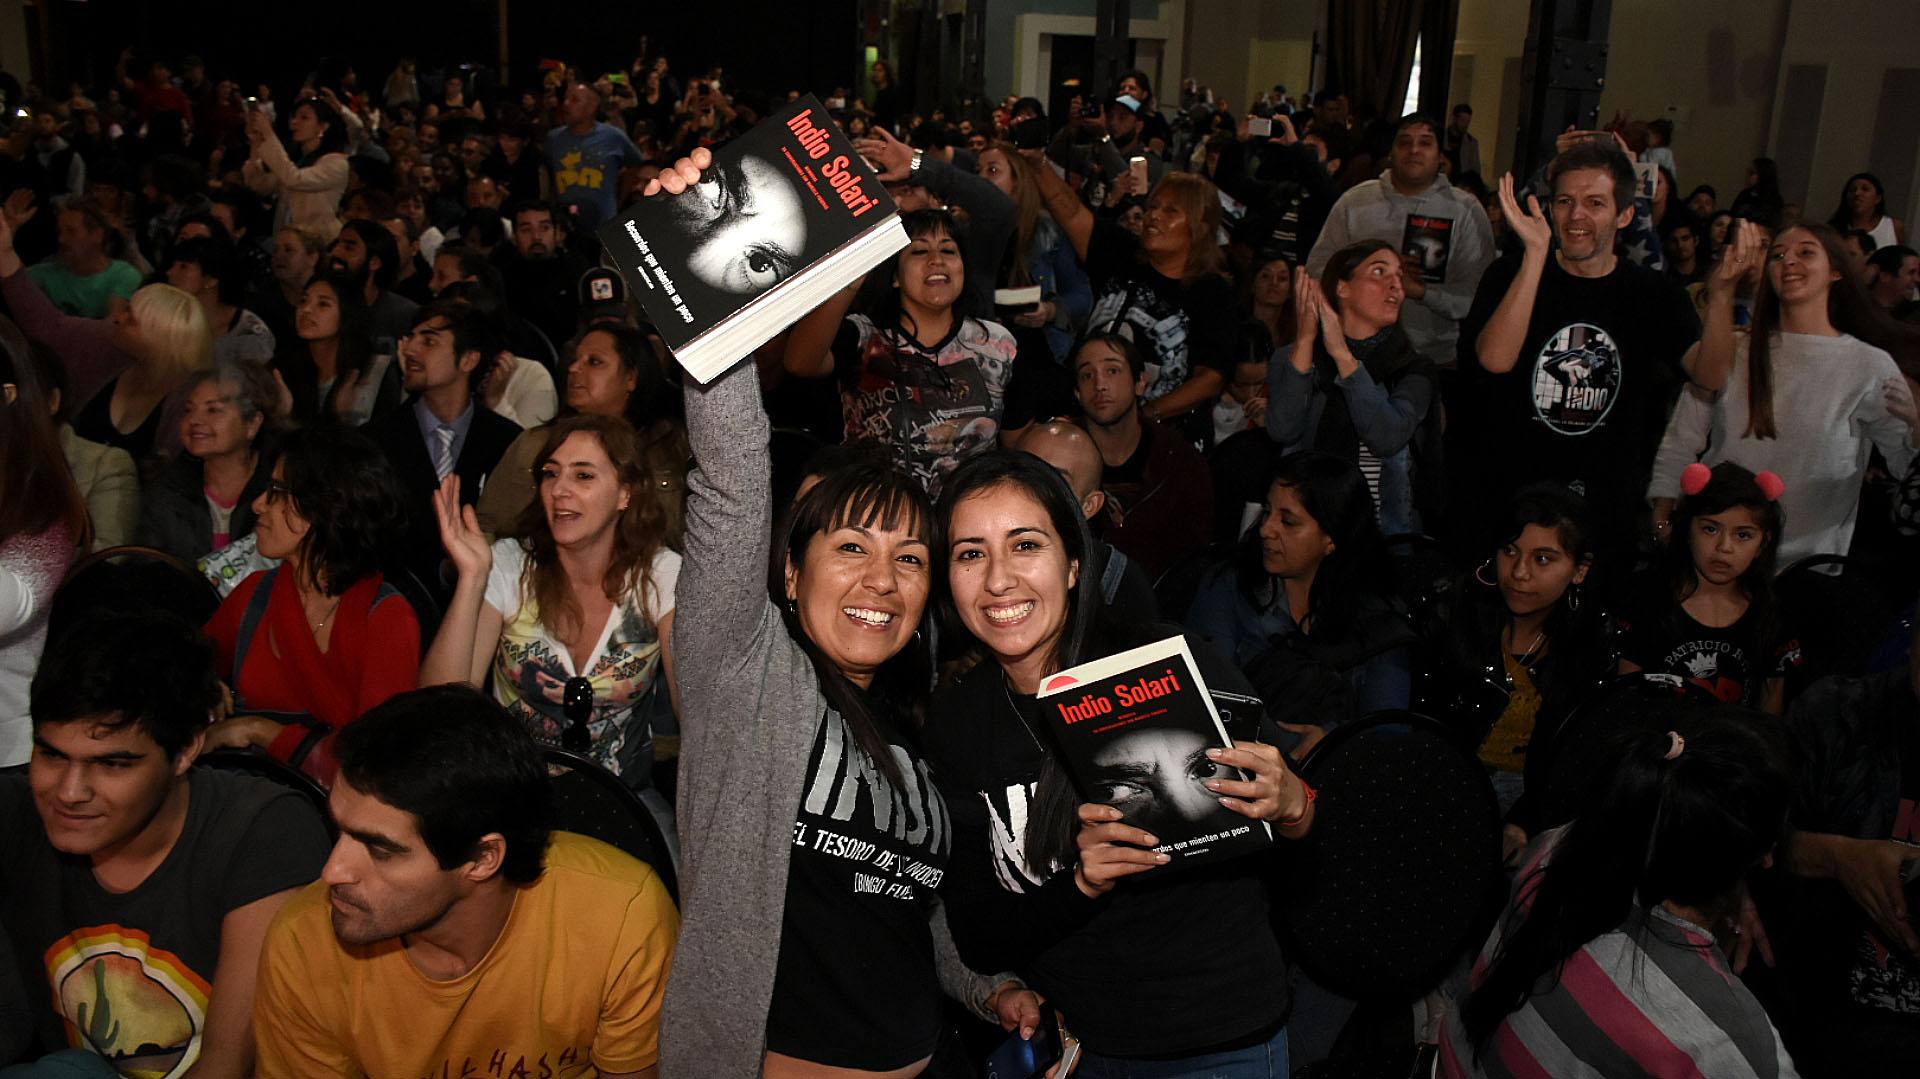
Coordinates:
x,y
787,215
1133,730
1430,240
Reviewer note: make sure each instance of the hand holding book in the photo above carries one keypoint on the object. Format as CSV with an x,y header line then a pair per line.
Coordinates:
x,y
1275,794
683,174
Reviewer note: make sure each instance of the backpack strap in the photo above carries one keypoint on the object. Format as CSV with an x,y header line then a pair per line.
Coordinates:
x,y
250,624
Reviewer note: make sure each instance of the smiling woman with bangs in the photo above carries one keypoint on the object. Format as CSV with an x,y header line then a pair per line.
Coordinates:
x,y
919,375
812,942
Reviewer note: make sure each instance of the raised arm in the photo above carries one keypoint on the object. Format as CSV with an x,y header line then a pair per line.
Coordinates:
x,y
1506,332
809,348
470,631
1073,216
1710,361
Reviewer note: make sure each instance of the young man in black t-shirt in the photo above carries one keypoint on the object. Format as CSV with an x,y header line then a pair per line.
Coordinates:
x,y
136,889
1579,350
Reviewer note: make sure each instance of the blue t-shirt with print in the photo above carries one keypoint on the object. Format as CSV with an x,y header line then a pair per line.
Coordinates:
x,y
586,170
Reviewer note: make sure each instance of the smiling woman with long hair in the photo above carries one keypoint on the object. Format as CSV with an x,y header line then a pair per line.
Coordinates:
x,y
1808,396
311,644
1055,887
580,597
812,835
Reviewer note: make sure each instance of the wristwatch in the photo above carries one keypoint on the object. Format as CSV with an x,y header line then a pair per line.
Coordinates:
x,y
913,169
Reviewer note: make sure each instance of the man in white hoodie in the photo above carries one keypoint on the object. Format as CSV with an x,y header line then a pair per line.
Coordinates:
x,y
1441,232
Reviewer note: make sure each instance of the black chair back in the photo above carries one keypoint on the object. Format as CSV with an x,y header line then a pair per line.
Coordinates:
x,y
1839,610
426,610
128,580
591,801
255,762
1401,873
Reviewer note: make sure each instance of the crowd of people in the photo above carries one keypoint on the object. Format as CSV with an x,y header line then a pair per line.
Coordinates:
x,y
1153,369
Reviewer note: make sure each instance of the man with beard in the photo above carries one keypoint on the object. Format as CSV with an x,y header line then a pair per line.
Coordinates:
x,y
540,273
366,252
451,932
135,888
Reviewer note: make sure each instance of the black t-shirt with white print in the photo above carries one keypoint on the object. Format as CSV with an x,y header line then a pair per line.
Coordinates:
x,y
1178,325
1587,400
855,985
1165,965
1731,662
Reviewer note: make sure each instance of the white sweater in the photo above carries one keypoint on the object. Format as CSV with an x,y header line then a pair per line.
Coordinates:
x,y
1830,411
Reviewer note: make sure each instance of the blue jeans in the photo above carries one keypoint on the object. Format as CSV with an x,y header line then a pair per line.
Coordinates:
x,y
1264,1061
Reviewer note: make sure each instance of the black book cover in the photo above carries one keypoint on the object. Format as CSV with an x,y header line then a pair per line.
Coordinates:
x,y
1134,730
1429,239
776,203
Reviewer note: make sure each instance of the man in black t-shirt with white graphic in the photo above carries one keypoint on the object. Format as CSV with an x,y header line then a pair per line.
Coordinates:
x,y
136,889
1579,352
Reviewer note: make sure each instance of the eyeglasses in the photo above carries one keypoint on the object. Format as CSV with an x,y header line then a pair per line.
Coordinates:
x,y
576,701
277,491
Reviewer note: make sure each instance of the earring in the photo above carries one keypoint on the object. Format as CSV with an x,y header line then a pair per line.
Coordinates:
x,y
1481,574
1573,598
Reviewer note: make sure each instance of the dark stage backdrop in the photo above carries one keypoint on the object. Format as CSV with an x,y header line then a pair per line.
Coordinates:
x,y
768,47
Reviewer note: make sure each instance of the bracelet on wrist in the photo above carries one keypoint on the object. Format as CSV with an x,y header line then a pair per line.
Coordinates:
x,y
1306,807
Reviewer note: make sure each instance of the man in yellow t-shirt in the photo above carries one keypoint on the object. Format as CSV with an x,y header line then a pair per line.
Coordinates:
x,y
447,936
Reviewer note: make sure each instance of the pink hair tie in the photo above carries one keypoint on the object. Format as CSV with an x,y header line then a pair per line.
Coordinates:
x,y
1771,485
1693,478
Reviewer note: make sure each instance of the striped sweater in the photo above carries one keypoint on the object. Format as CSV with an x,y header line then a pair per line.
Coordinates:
x,y
1653,1000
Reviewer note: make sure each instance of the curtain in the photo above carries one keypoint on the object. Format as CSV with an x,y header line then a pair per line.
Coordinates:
x,y
1370,51
1437,26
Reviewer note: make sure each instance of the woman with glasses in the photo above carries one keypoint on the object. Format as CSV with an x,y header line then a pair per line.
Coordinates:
x,y
576,602
313,643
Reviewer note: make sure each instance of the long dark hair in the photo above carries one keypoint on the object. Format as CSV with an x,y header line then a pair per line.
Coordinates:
x,y
1731,485
37,491
874,495
1550,506
1658,826
354,348
333,140
1842,218
638,534
341,482
1051,820
1334,493
1850,309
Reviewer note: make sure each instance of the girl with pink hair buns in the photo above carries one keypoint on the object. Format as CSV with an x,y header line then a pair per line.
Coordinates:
x,y
1706,613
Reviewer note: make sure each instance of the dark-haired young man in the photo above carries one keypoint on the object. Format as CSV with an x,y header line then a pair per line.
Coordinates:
x,y
451,933
1159,495
1582,349
444,429
135,888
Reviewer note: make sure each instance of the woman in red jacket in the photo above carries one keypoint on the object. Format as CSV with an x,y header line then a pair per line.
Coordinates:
x,y
312,644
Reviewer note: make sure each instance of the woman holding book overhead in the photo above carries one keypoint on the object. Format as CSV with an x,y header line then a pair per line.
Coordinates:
x,y
918,374
805,806
579,596
1053,885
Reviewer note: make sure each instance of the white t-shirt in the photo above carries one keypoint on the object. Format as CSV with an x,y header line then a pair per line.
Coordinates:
x,y
531,667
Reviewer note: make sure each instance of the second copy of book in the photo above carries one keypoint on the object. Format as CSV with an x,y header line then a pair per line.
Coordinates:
x,y
1429,239
1134,729
787,215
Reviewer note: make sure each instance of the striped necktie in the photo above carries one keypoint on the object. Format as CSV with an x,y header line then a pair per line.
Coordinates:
x,y
443,450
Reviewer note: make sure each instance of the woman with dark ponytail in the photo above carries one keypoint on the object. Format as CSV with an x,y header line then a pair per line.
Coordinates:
x,y
1608,960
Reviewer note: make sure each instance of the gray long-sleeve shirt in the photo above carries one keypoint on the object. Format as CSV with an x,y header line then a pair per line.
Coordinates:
x,y
1375,211
750,708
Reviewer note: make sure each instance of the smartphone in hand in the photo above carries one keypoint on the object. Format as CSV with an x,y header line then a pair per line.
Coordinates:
x,y
1028,1058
